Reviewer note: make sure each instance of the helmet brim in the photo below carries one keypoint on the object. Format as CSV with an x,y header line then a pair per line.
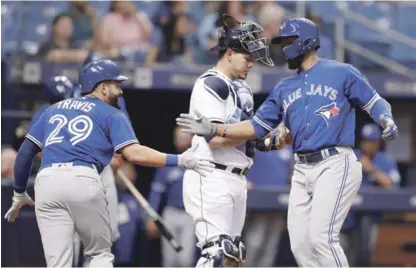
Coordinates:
x,y
120,78
278,40
218,48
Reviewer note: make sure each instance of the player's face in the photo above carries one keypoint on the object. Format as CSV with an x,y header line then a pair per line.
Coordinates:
x,y
242,64
370,147
112,93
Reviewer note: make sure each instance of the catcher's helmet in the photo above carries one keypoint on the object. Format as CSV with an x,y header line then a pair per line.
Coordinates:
x,y
98,71
58,88
304,30
243,37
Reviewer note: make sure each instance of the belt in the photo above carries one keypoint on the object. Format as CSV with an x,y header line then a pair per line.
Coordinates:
x,y
238,171
217,242
69,164
318,156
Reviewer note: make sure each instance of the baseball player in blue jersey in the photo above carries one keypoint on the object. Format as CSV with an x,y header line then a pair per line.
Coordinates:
x,y
317,106
78,137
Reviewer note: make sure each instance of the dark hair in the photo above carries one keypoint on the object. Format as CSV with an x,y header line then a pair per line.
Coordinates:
x,y
58,17
169,35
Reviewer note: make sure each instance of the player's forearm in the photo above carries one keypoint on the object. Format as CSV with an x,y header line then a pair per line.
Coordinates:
x,y
240,131
145,156
380,107
23,165
221,142
382,179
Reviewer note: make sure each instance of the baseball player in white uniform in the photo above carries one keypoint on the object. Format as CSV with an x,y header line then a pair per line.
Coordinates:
x,y
217,202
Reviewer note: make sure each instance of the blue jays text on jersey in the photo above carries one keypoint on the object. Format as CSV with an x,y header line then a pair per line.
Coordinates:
x,y
317,106
83,130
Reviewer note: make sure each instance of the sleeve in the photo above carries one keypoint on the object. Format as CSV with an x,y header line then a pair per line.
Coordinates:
x,y
121,131
157,188
210,100
359,91
23,164
269,115
37,131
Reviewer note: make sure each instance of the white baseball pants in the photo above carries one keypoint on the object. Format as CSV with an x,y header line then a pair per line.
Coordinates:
x,y
67,200
320,198
216,204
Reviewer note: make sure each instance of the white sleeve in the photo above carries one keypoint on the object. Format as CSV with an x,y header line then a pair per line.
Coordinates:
x,y
209,101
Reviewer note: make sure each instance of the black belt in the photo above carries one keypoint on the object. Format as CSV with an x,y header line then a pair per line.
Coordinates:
x,y
318,156
217,242
235,170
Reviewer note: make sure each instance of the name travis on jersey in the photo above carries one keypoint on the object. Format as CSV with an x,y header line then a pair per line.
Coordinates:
x,y
74,104
322,90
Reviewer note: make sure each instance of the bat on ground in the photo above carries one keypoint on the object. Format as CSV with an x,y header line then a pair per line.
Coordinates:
x,y
150,211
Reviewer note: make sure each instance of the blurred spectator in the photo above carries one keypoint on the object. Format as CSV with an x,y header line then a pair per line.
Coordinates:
x,y
131,248
270,15
176,34
84,20
263,230
359,232
60,47
129,31
326,49
167,184
8,157
207,33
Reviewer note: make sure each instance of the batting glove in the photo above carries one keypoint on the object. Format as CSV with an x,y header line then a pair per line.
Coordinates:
x,y
19,200
390,131
189,160
197,124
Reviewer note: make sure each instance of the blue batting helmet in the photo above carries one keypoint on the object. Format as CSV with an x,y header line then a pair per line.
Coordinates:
x,y
243,37
58,88
371,132
305,32
99,71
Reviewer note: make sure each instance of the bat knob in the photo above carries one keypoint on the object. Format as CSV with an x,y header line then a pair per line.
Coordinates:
x,y
179,249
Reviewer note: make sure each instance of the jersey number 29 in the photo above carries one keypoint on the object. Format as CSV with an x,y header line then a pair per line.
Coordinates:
x,y
80,127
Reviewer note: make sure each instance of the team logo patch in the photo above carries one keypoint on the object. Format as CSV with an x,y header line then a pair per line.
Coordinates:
x,y
328,111
283,26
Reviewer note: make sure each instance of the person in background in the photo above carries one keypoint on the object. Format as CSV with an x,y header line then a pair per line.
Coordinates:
x,y
359,232
60,47
129,31
84,19
327,46
264,229
131,225
8,157
167,184
175,46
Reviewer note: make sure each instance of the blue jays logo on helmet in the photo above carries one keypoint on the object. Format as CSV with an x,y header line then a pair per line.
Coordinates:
x,y
58,88
328,112
371,132
304,32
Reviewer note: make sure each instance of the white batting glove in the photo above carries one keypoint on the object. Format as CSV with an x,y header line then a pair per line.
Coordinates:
x,y
189,160
390,131
196,124
19,200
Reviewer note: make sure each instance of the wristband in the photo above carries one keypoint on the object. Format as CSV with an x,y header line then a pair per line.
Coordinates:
x,y
171,160
224,131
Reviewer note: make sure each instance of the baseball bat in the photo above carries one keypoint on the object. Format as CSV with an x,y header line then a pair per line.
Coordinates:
x,y
150,211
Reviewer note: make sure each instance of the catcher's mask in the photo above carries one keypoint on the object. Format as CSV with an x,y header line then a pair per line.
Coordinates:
x,y
243,37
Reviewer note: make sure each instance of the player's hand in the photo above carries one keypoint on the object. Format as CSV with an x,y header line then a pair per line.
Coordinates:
x,y
151,228
197,124
19,200
366,162
390,131
189,160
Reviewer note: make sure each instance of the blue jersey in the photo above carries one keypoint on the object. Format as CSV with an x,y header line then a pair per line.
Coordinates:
x,y
38,114
317,106
83,130
167,180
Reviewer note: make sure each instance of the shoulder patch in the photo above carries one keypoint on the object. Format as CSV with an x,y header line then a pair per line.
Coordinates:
x,y
217,87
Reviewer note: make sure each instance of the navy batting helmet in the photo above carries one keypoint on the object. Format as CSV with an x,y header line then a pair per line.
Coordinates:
x,y
99,71
243,37
305,32
58,88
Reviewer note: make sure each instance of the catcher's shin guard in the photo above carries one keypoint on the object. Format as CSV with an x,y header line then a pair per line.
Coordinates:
x,y
220,253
